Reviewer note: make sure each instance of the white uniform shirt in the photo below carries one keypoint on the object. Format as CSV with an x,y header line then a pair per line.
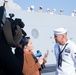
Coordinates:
x,y
68,59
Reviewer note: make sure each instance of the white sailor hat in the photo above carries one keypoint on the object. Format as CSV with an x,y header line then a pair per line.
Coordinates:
x,y
54,9
32,6
40,7
48,9
61,10
6,0
60,31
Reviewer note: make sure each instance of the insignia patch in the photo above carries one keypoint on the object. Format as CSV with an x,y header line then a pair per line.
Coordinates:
x,y
66,54
67,50
75,55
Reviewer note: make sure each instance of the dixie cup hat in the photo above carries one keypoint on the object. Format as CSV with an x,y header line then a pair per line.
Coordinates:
x,y
60,31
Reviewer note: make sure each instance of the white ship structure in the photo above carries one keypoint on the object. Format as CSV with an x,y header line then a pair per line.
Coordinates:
x,y
39,26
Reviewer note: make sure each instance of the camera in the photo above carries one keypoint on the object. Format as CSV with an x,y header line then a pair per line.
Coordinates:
x,y
11,29
16,22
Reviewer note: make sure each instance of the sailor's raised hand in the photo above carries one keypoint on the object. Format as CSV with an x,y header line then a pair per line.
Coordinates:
x,y
46,54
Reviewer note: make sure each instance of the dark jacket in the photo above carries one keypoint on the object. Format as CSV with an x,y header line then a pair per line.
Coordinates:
x,y
10,64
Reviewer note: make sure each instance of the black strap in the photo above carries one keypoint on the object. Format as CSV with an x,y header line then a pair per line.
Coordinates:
x,y
60,55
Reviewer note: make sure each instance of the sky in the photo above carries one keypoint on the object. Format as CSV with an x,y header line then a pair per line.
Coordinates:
x,y
67,5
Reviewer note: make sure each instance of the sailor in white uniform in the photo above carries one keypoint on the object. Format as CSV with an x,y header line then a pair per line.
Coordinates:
x,y
65,52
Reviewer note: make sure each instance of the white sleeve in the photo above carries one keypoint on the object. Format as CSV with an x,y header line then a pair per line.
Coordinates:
x,y
74,53
56,51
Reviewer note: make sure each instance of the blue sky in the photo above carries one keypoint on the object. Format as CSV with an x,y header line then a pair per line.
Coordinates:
x,y
67,5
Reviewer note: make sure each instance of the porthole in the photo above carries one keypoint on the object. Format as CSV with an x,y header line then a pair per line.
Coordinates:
x,y
35,33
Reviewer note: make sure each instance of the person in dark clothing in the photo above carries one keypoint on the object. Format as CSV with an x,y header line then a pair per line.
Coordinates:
x,y
10,63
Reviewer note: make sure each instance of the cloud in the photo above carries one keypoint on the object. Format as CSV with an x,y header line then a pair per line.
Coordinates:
x,y
10,4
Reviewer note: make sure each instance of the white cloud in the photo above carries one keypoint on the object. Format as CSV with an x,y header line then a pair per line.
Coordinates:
x,y
10,4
